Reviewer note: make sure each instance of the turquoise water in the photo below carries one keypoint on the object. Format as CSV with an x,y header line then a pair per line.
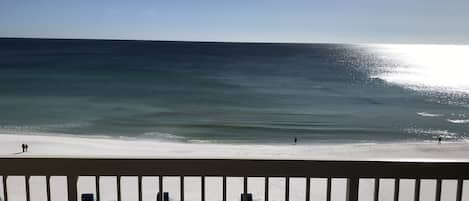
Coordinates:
x,y
233,92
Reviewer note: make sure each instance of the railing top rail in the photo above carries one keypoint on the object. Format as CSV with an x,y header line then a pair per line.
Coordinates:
x,y
232,167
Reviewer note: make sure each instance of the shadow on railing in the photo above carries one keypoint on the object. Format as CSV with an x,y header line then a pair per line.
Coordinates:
x,y
353,171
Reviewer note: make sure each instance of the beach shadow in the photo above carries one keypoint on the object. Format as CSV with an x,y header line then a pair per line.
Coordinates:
x,y
18,153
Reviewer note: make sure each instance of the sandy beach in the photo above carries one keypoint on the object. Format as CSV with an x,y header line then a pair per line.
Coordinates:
x,y
72,146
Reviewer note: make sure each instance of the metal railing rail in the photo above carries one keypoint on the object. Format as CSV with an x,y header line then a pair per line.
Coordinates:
x,y
353,171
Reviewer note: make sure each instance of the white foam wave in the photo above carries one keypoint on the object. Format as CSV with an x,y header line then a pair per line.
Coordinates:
x,y
164,136
426,114
458,121
42,127
433,133
461,115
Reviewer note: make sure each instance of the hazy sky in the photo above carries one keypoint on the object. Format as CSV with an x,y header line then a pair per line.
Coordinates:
x,y
349,21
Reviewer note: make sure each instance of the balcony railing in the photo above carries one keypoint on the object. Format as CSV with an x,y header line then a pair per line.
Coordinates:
x,y
353,171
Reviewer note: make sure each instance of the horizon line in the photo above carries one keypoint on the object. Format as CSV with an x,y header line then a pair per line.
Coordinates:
x,y
237,42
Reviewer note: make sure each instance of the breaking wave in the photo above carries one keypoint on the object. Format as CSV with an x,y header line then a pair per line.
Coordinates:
x,y
433,133
458,121
164,136
426,114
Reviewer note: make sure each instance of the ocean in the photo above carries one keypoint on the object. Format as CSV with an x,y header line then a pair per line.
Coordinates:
x,y
248,93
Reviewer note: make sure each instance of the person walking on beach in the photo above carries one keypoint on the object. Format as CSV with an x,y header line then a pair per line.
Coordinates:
x,y
439,140
26,147
23,147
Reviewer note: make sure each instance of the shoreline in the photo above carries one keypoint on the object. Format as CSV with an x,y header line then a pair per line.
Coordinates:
x,y
96,147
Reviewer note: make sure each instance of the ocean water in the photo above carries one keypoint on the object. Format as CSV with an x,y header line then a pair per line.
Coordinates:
x,y
200,92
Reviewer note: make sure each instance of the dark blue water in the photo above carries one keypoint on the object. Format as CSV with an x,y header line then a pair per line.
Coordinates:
x,y
217,92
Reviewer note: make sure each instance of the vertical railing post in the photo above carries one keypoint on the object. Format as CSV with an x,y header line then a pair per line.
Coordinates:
x,y
5,188
48,188
98,197
245,196
352,188
287,188
28,191
396,189
202,188
438,190
140,194
328,189
72,187
224,188
417,190
160,188
245,185
118,184
376,191
459,190
308,188
182,187
266,189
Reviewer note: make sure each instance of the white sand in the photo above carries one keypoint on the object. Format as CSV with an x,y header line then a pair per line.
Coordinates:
x,y
72,146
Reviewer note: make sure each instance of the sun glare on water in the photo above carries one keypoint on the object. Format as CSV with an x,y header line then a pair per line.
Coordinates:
x,y
439,68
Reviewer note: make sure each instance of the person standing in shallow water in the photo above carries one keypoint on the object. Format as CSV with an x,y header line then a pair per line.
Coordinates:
x,y
295,141
439,140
